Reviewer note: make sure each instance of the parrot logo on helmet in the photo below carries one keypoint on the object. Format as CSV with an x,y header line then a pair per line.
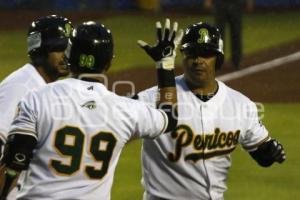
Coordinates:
x,y
68,29
203,36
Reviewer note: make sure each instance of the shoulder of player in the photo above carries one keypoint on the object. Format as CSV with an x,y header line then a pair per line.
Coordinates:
x,y
234,94
14,76
46,90
26,76
71,86
179,80
122,100
16,85
181,85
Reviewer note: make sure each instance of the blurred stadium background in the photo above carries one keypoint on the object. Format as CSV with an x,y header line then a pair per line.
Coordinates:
x,y
125,4
271,31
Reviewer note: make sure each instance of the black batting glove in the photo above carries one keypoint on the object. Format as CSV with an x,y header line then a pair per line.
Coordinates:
x,y
268,153
164,51
278,154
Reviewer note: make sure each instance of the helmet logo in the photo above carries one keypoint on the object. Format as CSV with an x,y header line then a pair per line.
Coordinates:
x,y
68,29
203,35
87,61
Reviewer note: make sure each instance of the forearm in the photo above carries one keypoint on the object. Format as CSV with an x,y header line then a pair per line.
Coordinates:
x,y
17,155
8,180
164,53
168,96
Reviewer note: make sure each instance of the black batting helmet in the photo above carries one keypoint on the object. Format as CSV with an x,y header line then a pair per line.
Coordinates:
x,y
202,39
47,34
92,48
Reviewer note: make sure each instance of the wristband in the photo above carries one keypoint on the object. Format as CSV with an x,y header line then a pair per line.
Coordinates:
x,y
166,78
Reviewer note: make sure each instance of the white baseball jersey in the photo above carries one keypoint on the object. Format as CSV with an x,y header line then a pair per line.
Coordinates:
x,y
12,89
192,162
80,128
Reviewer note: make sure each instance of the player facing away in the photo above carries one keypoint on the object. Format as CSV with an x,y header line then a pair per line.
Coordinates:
x,y
47,40
69,134
192,162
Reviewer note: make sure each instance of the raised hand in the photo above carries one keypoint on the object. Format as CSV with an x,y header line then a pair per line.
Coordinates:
x,y
164,51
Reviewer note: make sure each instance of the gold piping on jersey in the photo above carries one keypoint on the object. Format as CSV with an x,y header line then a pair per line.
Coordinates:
x,y
205,146
203,156
166,121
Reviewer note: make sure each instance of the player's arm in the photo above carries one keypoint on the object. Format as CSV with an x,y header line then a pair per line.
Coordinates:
x,y
10,95
20,144
262,148
268,152
164,53
17,155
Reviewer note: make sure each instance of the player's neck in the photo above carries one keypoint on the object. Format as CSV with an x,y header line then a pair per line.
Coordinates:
x,y
202,89
45,75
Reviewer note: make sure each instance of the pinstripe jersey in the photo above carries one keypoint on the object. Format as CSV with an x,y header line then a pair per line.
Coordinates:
x,y
80,128
192,162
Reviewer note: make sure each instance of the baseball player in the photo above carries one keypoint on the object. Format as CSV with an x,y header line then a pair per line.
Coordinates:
x,y
47,40
69,134
192,162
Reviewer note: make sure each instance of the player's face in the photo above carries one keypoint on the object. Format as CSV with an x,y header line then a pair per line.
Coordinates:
x,y
57,64
199,70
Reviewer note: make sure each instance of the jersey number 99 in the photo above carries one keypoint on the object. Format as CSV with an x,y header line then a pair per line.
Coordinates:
x,y
70,141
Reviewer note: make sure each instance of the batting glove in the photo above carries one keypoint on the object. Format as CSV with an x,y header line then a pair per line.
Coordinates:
x,y
164,51
278,153
268,153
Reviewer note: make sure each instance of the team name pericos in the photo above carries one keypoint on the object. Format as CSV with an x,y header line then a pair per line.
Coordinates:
x,y
205,146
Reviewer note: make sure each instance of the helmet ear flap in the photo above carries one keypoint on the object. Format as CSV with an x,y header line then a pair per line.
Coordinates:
x,y
219,61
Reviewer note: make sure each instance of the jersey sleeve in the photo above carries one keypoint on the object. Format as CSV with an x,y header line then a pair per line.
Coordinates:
x,y
10,95
26,118
150,122
255,132
149,96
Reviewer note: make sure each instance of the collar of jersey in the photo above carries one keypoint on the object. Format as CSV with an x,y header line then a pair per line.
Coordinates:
x,y
215,102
